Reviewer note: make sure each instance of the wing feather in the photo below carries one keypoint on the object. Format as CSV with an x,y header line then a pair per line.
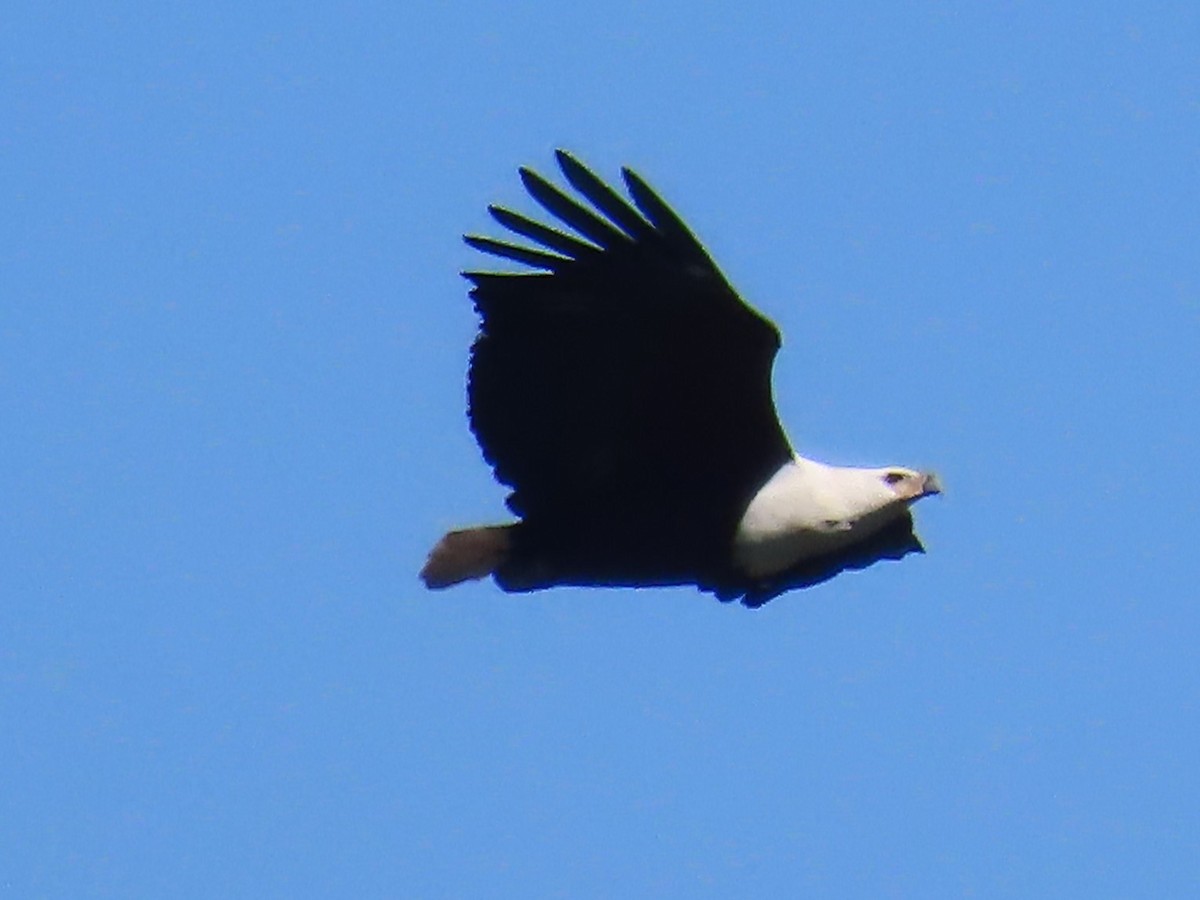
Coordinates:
x,y
547,237
578,217
603,197
534,258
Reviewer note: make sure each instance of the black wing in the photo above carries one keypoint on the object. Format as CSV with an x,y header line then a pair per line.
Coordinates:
x,y
622,388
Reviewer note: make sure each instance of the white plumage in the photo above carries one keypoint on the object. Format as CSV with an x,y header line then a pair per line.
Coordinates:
x,y
809,509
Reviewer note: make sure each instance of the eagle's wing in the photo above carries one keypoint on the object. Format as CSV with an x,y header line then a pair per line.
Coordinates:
x,y
622,381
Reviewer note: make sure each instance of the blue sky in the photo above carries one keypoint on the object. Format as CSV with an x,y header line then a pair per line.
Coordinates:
x,y
232,353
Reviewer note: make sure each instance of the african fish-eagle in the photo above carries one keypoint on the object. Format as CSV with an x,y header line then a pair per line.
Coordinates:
x,y
622,389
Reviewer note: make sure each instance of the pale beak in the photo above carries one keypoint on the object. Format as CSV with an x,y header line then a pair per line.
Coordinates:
x,y
931,485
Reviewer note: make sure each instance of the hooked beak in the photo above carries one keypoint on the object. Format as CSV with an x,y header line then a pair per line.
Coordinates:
x,y
931,485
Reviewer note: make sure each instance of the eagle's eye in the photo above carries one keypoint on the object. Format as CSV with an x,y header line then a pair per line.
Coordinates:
x,y
893,477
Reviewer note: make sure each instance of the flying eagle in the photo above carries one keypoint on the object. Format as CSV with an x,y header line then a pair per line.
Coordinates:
x,y
622,389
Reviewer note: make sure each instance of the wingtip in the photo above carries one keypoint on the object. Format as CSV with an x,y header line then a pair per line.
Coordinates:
x,y
498,212
567,161
534,183
639,189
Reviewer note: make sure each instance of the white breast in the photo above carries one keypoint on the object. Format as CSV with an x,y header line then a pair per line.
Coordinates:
x,y
808,509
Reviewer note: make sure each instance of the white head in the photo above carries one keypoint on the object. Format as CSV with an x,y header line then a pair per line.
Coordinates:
x,y
908,484
849,493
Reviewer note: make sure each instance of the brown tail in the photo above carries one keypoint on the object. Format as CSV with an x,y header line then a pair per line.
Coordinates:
x,y
463,555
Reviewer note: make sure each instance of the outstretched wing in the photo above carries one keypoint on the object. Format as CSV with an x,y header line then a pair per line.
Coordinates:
x,y
620,379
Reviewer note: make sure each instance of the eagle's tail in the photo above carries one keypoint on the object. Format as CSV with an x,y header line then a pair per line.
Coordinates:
x,y
463,555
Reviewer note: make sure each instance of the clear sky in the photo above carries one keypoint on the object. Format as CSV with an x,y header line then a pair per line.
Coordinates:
x,y
233,344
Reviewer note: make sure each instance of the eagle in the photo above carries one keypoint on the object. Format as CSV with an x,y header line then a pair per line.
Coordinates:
x,y
621,389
